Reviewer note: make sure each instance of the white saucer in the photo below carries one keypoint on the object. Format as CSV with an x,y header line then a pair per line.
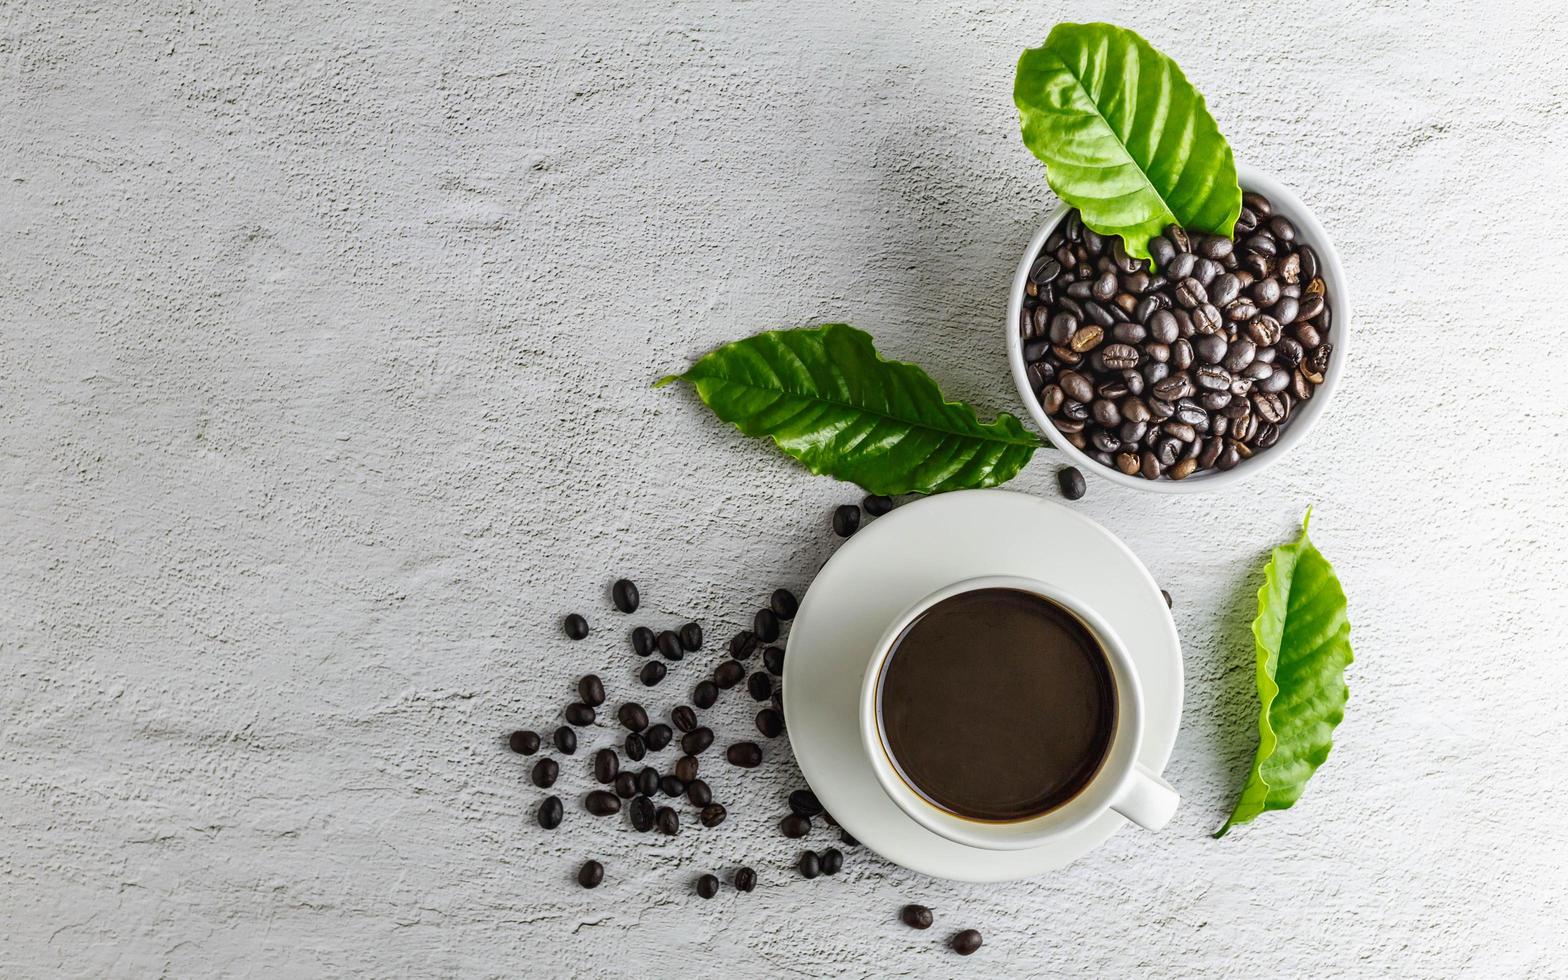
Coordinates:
x,y
905,555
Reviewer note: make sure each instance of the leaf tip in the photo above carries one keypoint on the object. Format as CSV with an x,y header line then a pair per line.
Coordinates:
x,y
667,379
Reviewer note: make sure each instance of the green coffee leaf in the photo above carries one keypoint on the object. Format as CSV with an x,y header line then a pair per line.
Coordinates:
x,y
1124,137
826,397
1302,641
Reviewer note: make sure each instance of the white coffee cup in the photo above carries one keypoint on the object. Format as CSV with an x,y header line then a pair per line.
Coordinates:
x,y
1121,784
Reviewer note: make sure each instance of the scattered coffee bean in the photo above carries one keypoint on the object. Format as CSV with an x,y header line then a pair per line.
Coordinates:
x,y
712,815
846,520
770,723
745,879
672,786
707,886
642,814
696,741
575,626
804,803
832,861
658,737
550,812
590,874
652,673
795,826
760,686
809,864
686,768
705,694
636,748
742,644
591,690
691,637
773,660
668,821
765,625
917,917
746,755
966,942
602,803
643,641
699,792
579,714
606,765
647,781
783,603
625,785
633,716
625,595
876,505
524,742
565,740
669,644
1071,482
1167,597
544,773
728,674
684,718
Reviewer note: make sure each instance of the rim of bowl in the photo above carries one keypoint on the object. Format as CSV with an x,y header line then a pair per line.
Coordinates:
x,y
1301,422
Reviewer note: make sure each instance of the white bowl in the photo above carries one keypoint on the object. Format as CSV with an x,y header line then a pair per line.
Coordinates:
x,y
1301,420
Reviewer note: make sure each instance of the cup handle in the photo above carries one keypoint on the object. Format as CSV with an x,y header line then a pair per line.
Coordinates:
x,y
1147,800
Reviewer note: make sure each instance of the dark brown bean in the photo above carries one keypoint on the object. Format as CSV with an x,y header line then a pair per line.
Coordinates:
x,y
770,723
606,765
523,742
575,626
642,813
643,641
728,674
602,803
565,741
967,942
669,645
846,521
705,694
652,673
550,812
745,879
917,916
658,737
795,826
668,821
633,716
696,741
625,595
746,755
712,815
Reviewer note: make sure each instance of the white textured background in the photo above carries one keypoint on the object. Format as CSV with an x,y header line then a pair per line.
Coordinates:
x,y
325,342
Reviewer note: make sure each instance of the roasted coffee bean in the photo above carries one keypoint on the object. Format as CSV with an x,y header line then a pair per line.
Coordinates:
x,y
1300,386
705,694
1264,331
1149,465
1045,269
578,714
773,660
523,742
606,765
1183,468
1257,203
1215,247
591,690
1268,435
625,785
590,874
846,521
832,861
669,644
917,917
658,737
1261,245
636,747
643,641
625,595
745,879
550,812
686,768
760,686
804,803
648,781
1278,380
707,886
544,773
565,740
642,813
1238,354
1180,430
1163,327
770,723
1206,319
691,637
1127,463
633,716
1206,271
742,644
1282,229
1210,348
1104,287
1286,311
1119,357
1246,221
712,815
1076,386
602,803
1266,292
1320,358
668,821
1181,267
575,626
1212,377
1105,443
1310,306
1269,406
1190,292
809,864
671,785
1224,289
651,673
1129,333
1132,432
876,505
795,826
1063,326
1101,316
696,741
1174,387
746,755
967,942
684,718
765,624
699,793
728,674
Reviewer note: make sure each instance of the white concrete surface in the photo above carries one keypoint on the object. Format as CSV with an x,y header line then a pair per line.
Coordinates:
x,y
325,340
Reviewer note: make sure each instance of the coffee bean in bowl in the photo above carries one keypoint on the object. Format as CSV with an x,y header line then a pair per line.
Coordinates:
x,y
1189,373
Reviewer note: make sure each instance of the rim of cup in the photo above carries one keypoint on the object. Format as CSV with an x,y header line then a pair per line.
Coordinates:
x,y
1301,422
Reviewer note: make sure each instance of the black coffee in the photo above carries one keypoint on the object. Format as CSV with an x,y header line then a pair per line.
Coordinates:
x,y
997,704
